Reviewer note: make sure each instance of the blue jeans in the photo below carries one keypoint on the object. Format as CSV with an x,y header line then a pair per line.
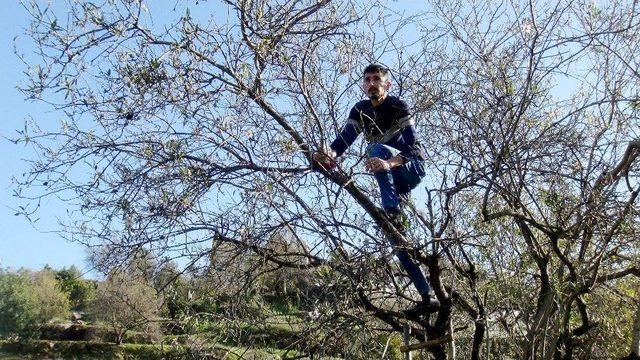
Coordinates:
x,y
399,181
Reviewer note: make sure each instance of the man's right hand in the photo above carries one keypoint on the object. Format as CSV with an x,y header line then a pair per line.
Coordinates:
x,y
326,160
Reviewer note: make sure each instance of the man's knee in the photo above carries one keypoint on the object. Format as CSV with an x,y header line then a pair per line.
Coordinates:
x,y
378,150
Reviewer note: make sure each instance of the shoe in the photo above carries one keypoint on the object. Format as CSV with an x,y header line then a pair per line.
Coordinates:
x,y
399,219
429,304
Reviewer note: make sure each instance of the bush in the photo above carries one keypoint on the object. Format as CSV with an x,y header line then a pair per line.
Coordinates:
x,y
125,302
29,299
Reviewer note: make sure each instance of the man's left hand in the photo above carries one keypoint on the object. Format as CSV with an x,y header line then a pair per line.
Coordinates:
x,y
376,165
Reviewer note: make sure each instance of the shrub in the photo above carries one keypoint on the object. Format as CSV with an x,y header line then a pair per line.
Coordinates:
x,y
29,299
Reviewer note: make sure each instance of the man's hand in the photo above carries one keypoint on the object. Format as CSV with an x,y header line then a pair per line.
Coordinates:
x,y
326,160
376,165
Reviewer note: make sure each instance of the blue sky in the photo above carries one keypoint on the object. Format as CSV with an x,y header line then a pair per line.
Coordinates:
x,y
22,245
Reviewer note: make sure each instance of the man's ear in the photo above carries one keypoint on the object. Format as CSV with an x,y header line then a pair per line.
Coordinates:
x,y
387,85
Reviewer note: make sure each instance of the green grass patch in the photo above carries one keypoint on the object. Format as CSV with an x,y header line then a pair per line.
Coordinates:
x,y
91,350
5,356
84,350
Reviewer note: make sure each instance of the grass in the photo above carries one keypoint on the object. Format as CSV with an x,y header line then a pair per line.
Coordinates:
x,y
88,350
68,350
228,340
5,356
276,331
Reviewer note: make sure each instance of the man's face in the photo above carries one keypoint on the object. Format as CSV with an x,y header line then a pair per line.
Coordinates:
x,y
375,85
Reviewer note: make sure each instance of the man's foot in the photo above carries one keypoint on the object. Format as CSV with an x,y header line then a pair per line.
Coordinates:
x,y
429,304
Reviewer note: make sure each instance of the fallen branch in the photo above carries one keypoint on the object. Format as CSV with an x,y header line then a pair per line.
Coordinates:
x,y
426,344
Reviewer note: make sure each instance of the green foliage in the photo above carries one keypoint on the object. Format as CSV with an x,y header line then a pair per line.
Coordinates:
x,y
614,313
189,312
92,350
152,352
80,291
29,299
18,304
284,305
53,303
394,343
282,334
97,350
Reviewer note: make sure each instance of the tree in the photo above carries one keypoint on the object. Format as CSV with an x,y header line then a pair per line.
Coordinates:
x,y
201,132
125,301
635,343
28,300
80,291
17,304
550,174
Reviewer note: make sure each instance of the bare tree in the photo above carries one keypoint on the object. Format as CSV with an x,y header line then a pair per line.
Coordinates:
x,y
535,116
125,301
179,134
198,131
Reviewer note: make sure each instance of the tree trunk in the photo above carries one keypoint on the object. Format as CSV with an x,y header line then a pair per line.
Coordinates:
x,y
634,352
452,346
478,339
439,352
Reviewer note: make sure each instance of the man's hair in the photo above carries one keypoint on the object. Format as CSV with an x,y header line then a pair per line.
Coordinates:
x,y
376,68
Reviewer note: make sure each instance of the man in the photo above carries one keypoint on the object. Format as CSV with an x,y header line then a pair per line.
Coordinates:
x,y
394,156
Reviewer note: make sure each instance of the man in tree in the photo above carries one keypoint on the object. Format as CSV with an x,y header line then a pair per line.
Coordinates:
x,y
394,156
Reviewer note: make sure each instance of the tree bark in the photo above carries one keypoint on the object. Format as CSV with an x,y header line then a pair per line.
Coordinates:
x,y
634,352
478,339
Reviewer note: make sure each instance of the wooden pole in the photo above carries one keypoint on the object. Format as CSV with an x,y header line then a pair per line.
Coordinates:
x,y
407,337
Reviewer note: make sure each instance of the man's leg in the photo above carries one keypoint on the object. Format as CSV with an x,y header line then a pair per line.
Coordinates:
x,y
388,193
407,177
414,272
429,302
391,204
400,180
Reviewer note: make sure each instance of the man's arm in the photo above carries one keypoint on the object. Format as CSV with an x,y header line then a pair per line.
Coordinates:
x,y
407,134
326,159
414,150
345,138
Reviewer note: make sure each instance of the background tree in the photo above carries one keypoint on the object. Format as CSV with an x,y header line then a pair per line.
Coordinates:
x,y
125,301
549,169
80,291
